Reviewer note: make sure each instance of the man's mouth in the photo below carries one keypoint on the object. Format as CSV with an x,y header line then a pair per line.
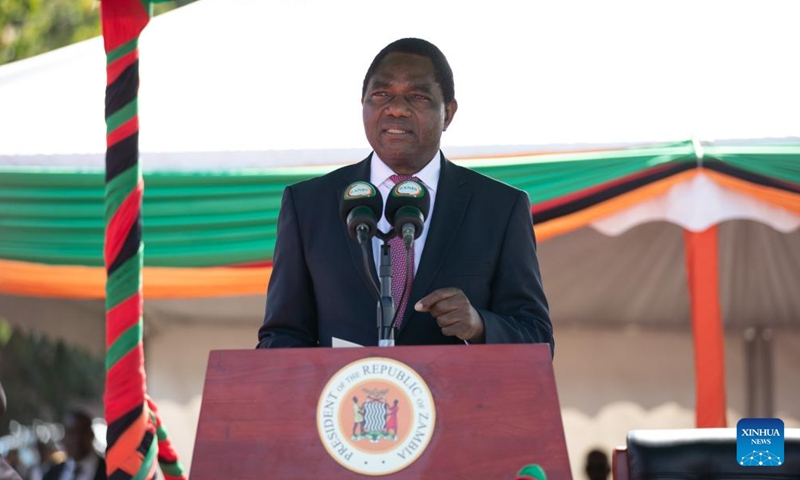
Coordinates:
x,y
396,131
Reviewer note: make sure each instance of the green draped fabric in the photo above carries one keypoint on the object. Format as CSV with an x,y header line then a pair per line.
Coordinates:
x,y
776,162
204,218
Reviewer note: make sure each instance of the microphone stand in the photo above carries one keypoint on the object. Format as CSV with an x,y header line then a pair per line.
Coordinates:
x,y
385,306
386,303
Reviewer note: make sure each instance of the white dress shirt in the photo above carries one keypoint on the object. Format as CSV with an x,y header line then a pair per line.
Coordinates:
x,y
379,176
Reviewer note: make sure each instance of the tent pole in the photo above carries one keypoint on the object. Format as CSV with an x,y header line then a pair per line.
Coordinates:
x,y
759,383
709,343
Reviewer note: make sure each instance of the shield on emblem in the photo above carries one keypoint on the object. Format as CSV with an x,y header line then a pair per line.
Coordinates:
x,y
374,418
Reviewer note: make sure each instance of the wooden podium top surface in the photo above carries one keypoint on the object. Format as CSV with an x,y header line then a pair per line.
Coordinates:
x,y
496,410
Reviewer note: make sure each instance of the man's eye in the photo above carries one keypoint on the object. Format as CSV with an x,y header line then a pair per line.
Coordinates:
x,y
380,94
420,97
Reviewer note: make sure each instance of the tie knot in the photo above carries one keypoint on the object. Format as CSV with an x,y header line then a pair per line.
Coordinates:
x,y
401,178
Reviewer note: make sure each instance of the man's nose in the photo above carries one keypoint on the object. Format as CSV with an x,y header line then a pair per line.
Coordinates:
x,y
398,107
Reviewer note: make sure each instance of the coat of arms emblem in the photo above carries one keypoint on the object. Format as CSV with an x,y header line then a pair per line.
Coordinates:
x,y
376,416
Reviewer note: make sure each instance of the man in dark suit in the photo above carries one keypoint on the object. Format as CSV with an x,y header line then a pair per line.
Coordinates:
x,y
475,274
82,462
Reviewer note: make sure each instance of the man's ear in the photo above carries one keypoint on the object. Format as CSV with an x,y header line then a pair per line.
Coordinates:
x,y
449,113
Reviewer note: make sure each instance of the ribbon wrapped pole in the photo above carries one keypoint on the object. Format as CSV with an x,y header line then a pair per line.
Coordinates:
x,y
135,436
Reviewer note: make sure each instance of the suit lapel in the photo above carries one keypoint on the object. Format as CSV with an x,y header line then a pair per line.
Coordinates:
x,y
452,198
359,172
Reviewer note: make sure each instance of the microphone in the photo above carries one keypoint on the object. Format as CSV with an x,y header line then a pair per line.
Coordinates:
x,y
360,209
406,208
531,472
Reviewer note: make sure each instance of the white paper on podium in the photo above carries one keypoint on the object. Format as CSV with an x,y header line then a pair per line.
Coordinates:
x,y
339,343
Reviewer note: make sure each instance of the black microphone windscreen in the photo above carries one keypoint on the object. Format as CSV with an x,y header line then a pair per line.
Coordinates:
x,y
361,203
360,194
407,193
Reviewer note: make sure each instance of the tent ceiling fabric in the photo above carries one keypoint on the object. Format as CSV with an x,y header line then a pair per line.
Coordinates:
x,y
759,275
82,322
76,322
639,277
240,309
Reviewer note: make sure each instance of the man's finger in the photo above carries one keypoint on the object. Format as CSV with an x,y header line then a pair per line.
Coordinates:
x,y
426,302
449,319
447,305
456,330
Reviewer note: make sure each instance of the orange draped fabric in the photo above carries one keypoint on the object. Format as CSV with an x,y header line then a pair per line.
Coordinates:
x,y
579,219
709,349
74,281
780,198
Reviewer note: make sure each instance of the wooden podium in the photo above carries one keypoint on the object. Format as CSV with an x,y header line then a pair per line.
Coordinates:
x,y
496,410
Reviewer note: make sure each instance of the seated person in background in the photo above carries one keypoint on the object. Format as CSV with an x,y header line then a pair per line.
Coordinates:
x,y
6,472
50,455
83,463
597,467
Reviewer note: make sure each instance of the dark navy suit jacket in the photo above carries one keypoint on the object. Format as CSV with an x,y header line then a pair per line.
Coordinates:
x,y
481,240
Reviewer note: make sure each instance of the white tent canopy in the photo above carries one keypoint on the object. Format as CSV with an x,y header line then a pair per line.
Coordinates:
x,y
280,81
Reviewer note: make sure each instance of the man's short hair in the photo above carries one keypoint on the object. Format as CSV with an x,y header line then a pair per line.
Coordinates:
x,y
416,46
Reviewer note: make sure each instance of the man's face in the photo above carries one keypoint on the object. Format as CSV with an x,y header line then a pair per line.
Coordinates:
x,y
404,112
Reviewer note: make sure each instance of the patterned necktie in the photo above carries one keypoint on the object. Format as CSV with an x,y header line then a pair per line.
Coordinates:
x,y
398,252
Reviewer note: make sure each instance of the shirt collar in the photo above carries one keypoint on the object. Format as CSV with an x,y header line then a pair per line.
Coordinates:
x,y
429,175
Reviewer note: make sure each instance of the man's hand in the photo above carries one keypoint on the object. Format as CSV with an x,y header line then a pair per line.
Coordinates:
x,y
454,314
